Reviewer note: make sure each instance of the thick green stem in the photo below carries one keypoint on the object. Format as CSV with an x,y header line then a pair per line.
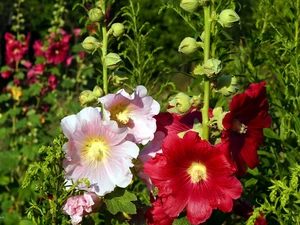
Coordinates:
x,y
205,109
104,53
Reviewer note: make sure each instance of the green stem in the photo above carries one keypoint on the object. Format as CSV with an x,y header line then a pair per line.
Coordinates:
x,y
104,53
205,109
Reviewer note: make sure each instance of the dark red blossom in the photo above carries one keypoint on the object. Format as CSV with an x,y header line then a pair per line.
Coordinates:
x,y
192,174
244,209
57,52
156,214
244,125
15,50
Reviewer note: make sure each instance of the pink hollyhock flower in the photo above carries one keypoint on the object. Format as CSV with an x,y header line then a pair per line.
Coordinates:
x,y
6,74
77,32
52,81
38,48
156,214
97,150
78,206
193,175
244,124
134,112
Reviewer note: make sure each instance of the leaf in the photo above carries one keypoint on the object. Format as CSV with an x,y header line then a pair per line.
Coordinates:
x,y
252,181
181,221
120,200
271,134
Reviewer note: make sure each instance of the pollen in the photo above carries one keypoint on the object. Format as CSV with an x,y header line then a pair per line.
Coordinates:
x,y
197,172
120,114
238,127
95,150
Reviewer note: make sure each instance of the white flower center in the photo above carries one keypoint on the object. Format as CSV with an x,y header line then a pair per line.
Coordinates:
x,y
197,172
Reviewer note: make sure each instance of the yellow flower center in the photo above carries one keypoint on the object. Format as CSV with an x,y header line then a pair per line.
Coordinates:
x,y
120,114
95,150
197,172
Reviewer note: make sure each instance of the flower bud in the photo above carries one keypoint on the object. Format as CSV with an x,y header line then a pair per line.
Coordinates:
x,y
181,104
87,98
216,121
189,5
97,91
189,46
112,61
227,85
95,14
90,44
227,17
118,29
212,67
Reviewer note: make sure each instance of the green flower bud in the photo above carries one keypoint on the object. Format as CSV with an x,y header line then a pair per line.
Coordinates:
x,y
90,44
227,85
227,17
212,67
112,61
189,5
118,29
202,36
181,104
95,14
87,98
189,46
97,91
216,122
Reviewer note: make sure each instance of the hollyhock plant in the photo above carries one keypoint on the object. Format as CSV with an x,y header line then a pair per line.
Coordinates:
x,y
186,171
97,150
244,124
135,112
78,206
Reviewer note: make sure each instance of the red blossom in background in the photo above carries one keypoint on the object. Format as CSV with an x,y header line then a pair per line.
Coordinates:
x,y
52,81
244,125
57,52
186,171
38,48
15,50
244,209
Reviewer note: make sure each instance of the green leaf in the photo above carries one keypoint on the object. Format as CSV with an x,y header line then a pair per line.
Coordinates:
x,y
181,221
4,180
4,97
252,181
4,68
120,200
270,134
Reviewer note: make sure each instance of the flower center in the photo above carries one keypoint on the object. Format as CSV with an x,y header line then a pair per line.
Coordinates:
x,y
95,150
238,127
197,172
120,114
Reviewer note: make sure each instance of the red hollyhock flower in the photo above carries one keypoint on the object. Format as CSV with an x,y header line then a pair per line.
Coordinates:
x,y
58,51
156,214
244,125
192,174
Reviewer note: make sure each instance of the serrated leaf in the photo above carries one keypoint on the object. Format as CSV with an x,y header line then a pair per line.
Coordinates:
x,y
198,70
120,200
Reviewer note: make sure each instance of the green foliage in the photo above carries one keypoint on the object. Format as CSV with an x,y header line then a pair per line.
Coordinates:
x,y
120,200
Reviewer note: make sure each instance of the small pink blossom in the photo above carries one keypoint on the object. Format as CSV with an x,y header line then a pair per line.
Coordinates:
x,y
52,81
135,112
78,206
77,32
97,150
38,48
6,74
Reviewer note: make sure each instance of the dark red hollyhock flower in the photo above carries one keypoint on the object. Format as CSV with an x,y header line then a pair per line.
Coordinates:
x,y
15,50
192,174
244,209
38,48
156,214
57,52
52,81
244,125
